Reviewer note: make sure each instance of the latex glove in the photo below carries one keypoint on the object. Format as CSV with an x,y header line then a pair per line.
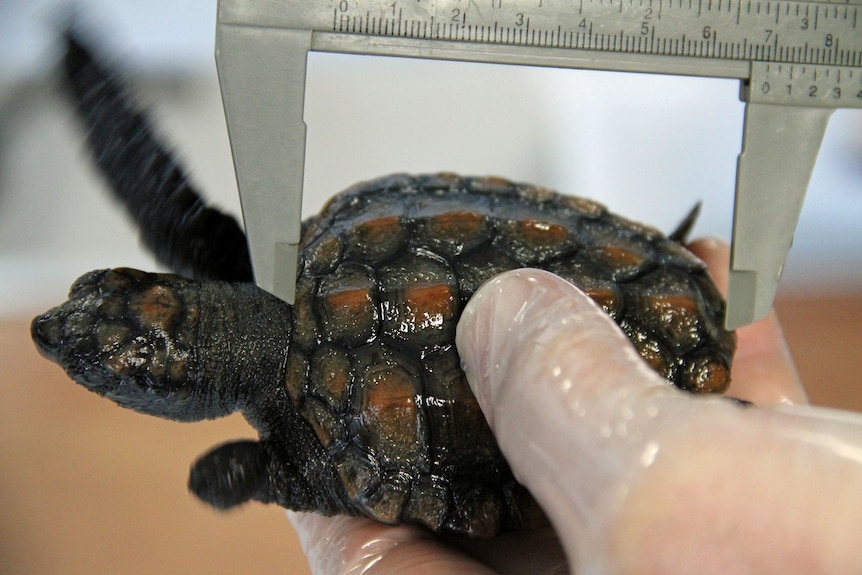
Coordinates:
x,y
638,477
635,475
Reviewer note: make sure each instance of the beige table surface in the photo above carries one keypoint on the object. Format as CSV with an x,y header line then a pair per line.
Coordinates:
x,y
88,487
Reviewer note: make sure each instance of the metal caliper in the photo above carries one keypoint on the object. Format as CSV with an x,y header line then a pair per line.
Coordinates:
x,y
798,60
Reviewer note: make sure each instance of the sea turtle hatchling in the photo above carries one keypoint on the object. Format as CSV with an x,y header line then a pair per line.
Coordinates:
x,y
356,390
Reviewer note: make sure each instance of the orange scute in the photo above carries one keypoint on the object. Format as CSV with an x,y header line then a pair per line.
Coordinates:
x,y
157,306
622,256
456,224
539,234
434,301
679,303
390,411
350,304
713,377
606,297
331,375
379,230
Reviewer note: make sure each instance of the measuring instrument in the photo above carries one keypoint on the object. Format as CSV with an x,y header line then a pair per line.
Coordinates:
x,y
798,60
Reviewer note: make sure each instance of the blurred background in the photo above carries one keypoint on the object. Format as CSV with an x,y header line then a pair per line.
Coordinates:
x,y
88,488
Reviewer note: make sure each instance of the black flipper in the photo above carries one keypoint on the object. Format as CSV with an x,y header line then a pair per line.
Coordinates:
x,y
231,474
185,234
680,234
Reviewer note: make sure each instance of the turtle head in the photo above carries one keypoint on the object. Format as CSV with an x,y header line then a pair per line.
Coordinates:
x,y
187,350
156,343
128,336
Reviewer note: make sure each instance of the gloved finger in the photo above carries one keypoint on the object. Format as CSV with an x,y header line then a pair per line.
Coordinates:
x,y
543,361
763,371
356,546
635,475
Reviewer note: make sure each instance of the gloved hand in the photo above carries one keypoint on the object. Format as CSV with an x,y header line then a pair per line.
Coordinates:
x,y
636,476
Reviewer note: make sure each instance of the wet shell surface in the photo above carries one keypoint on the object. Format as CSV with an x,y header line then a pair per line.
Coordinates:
x,y
386,270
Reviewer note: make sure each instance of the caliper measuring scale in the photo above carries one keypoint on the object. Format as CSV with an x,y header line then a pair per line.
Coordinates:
x,y
797,60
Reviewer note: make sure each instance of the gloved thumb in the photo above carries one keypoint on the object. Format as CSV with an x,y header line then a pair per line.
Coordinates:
x,y
560,384
635,475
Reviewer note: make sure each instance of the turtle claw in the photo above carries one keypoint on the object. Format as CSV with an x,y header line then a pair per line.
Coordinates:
x,y
231,474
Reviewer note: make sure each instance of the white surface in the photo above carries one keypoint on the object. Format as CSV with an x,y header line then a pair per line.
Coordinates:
x,y
648,146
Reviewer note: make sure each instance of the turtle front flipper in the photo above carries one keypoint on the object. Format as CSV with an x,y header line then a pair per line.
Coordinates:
x,y
231,474
166,345
289,469
185,234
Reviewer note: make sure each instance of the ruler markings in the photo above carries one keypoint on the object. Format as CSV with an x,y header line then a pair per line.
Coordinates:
x,y
783,30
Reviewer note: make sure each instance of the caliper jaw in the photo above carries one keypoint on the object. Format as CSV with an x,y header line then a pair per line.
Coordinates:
x,y
779,149
262,77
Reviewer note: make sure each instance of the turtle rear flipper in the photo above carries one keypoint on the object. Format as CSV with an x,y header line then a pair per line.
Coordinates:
x,y
185,234
682,231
